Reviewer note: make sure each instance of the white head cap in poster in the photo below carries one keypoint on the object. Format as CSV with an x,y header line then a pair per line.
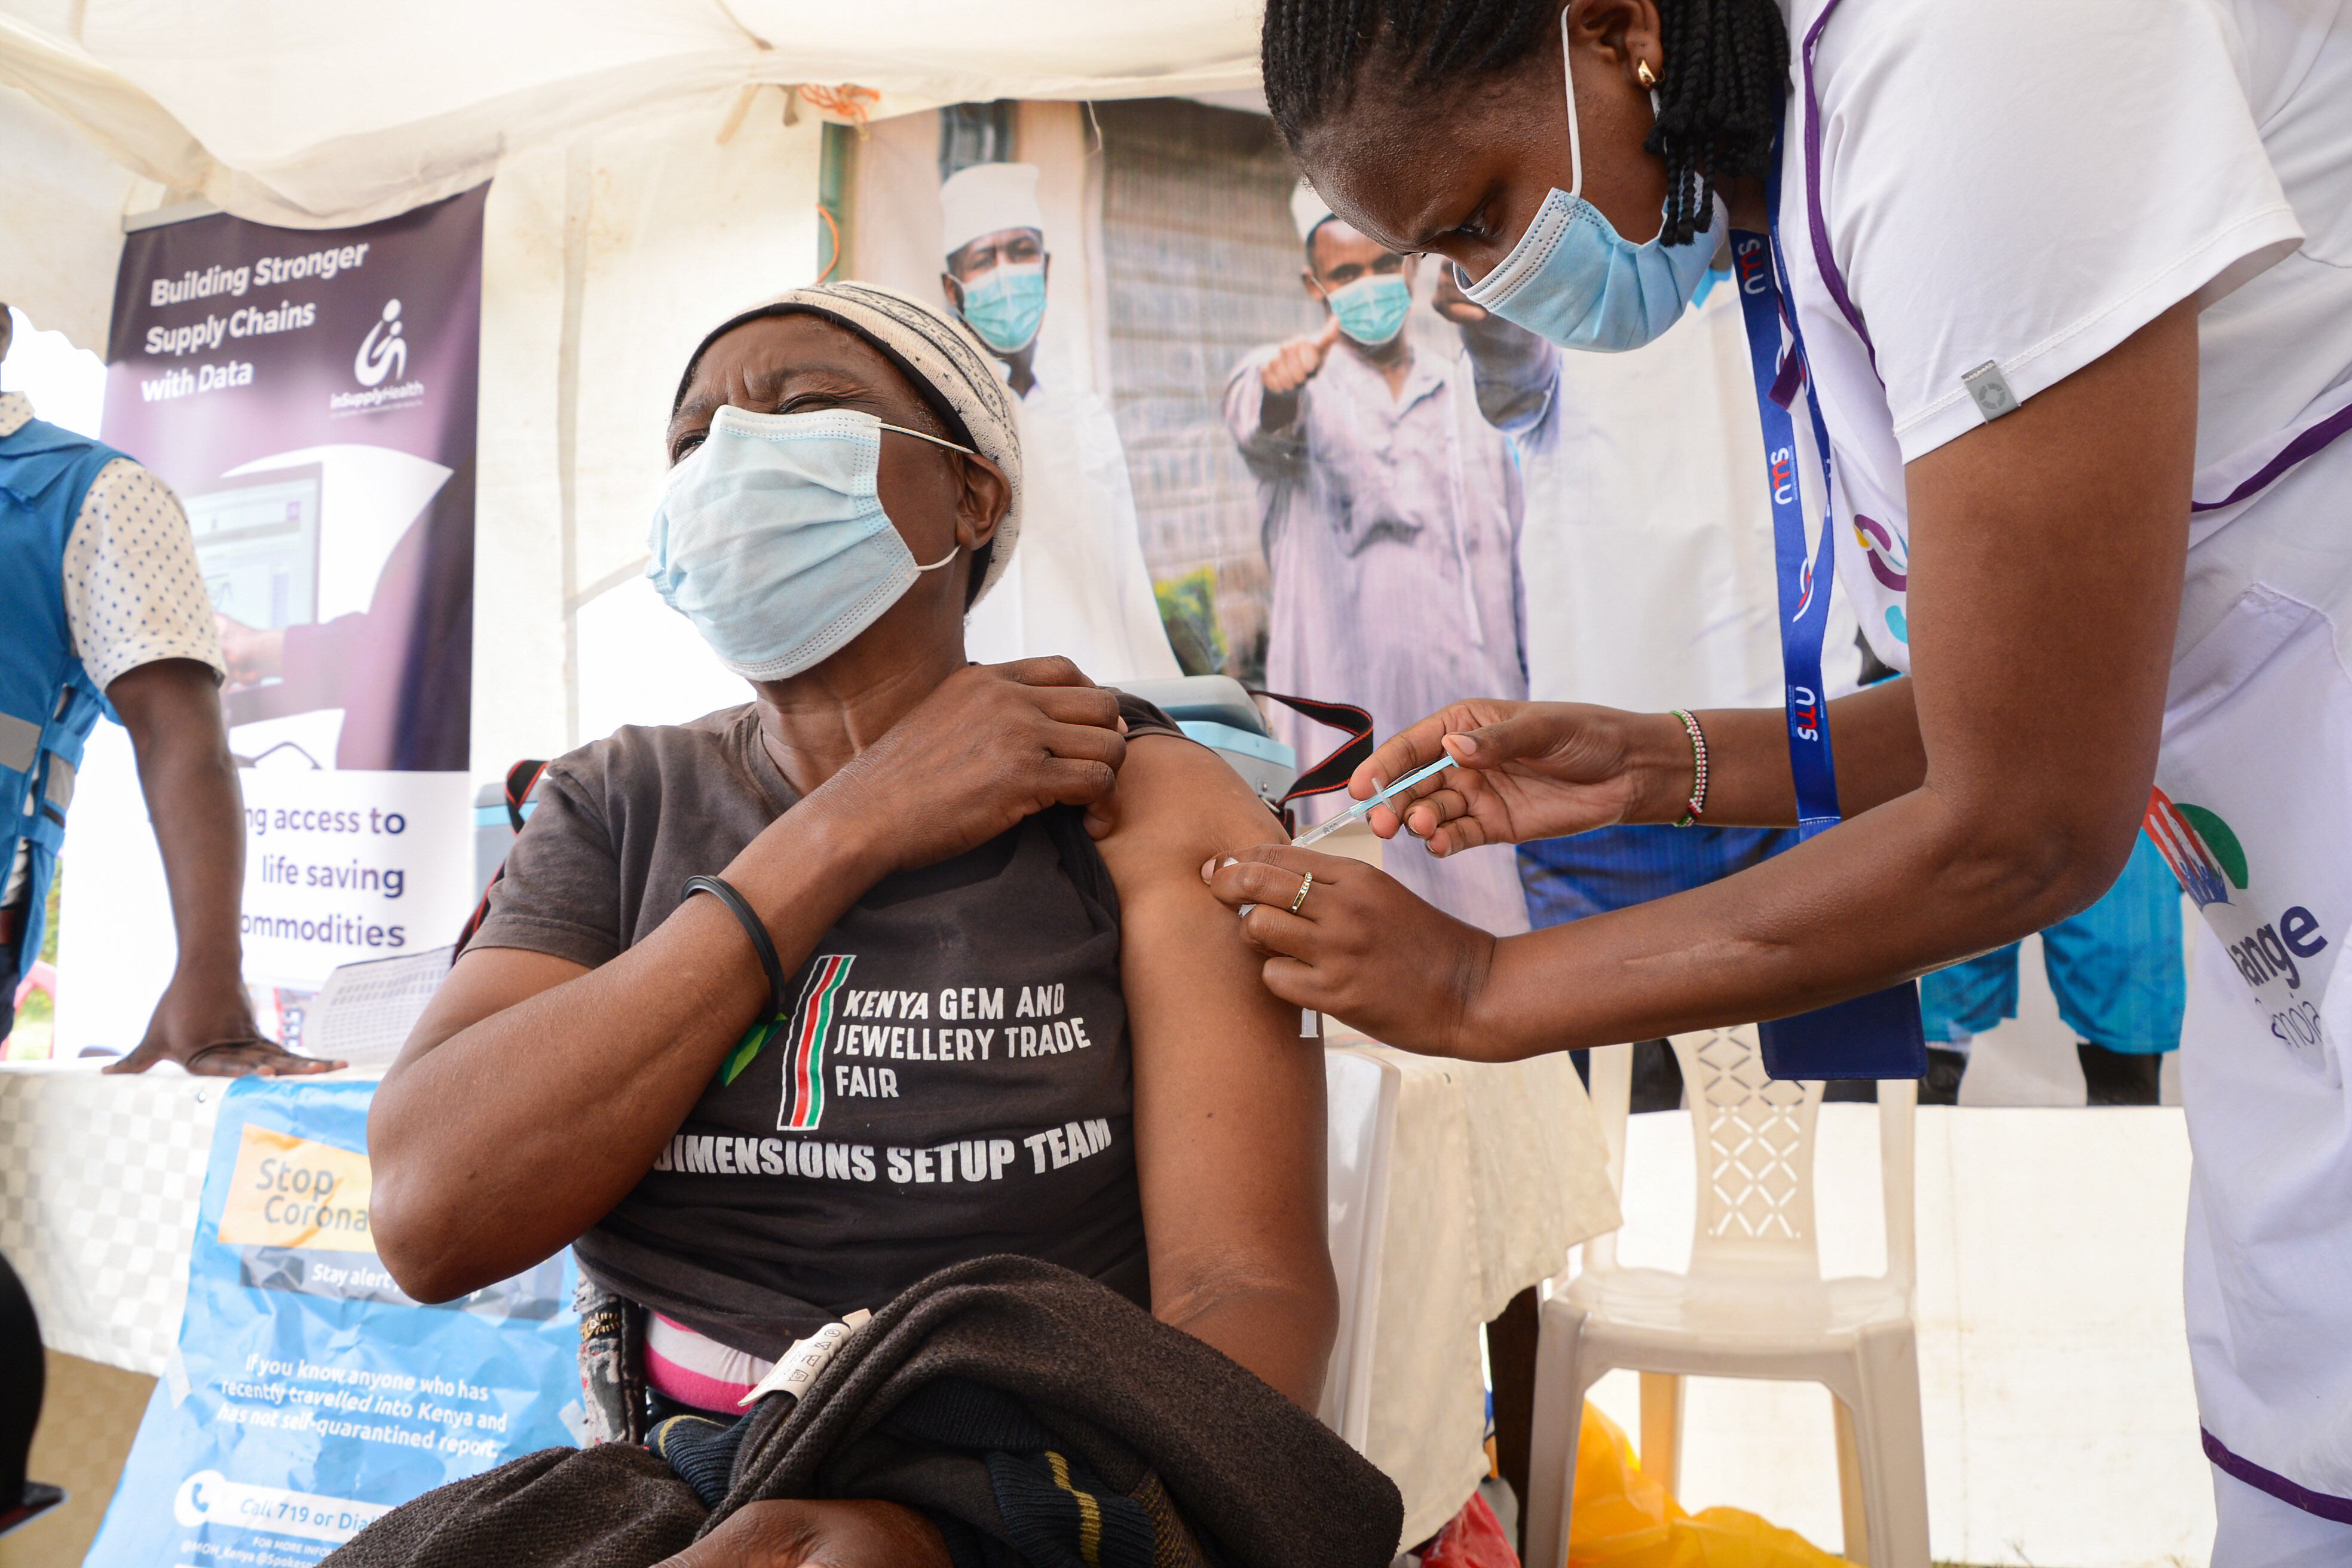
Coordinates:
x,y
988,198
1308,210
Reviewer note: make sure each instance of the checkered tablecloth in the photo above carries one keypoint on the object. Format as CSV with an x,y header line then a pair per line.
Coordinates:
x,y
100,1179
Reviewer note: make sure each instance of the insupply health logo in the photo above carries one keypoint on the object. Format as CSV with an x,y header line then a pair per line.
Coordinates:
x,y
382,353
380,366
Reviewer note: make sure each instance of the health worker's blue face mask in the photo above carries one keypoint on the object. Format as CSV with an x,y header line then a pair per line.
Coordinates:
x,y
1372,310
1006,305
1574,280
771,540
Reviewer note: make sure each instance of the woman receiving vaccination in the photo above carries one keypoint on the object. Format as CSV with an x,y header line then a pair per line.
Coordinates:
x,y
2065,292
904,962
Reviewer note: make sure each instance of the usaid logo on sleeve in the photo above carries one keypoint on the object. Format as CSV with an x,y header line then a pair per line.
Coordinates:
x,y
2280,961
380,367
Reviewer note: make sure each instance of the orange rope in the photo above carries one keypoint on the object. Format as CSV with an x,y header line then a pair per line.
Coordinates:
x,y
848,101
833,257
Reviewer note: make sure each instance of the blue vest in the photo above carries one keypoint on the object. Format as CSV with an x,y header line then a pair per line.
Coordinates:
x,y
48,702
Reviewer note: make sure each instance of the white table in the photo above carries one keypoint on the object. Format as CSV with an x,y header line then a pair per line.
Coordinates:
x,y
1496,1173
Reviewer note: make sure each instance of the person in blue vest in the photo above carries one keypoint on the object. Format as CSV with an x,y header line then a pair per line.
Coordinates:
x,y
106,613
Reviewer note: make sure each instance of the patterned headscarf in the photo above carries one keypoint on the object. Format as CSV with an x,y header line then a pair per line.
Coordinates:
x,y
941,359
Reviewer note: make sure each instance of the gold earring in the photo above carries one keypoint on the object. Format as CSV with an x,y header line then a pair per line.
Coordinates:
x,y
1644,75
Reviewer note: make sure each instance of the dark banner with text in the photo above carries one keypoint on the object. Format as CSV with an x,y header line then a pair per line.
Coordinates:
x,y
310,394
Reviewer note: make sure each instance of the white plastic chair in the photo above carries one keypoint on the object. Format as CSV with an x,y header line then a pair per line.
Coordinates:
x,y
1753,1304
1360,1096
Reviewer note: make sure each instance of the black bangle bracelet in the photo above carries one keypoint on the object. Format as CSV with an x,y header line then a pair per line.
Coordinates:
x,y
761,943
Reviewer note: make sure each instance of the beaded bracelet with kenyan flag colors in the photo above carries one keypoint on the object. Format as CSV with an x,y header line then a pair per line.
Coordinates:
x,y
1698,802
754,928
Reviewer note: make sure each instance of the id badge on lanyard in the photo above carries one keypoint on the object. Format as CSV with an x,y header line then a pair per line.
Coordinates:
x,y
1878,1035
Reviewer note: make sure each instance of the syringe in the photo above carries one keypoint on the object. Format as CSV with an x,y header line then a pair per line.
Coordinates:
x,y
1356,813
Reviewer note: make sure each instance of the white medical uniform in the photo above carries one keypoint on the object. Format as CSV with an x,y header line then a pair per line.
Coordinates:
x,y
2027,183
1078,585
1647,541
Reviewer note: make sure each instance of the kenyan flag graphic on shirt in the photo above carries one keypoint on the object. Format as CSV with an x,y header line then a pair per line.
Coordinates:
x,y
803,1107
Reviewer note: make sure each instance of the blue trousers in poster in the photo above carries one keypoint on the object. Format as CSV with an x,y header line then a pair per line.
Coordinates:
x,y
1616,868
2116,970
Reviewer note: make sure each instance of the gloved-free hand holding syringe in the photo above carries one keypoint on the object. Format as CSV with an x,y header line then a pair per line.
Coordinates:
x,y
1358,812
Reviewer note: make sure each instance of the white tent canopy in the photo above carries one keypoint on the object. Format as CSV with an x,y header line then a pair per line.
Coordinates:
x,y
318,116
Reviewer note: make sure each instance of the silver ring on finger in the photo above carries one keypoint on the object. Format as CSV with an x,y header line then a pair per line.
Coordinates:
x,y
1306,886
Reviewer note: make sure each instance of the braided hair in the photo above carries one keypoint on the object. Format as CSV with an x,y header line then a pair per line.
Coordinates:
x,y
1718,97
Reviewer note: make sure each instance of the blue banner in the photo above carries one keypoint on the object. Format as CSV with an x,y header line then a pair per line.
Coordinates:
x,y
309,1395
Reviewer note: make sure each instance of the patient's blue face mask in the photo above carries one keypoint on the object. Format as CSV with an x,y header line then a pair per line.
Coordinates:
x,y
1006,305
1372,310
771,540
1574,280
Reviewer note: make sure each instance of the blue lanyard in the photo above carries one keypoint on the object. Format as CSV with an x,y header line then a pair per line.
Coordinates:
x,y
1804,583
1877,1034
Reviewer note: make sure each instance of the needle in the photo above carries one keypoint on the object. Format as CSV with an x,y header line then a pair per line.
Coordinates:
x,y
1356,812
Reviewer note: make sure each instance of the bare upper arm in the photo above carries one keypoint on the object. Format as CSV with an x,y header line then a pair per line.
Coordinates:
x,y
1228,1096
167,696
2047,552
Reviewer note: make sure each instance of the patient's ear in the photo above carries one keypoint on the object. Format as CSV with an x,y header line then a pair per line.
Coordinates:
x,y
986,496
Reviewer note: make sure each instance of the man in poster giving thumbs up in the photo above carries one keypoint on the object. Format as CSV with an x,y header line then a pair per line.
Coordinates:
x,y
1391,519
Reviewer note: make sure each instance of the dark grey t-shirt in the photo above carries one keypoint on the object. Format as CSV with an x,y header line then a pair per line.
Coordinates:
x,y
953,1079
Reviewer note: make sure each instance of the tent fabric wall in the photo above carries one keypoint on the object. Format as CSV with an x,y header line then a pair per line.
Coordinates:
x,y
897,204
604,263
61,269
1059,139
521,683
80,141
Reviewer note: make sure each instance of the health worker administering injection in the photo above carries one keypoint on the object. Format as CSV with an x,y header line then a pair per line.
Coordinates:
x,y
2055,303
